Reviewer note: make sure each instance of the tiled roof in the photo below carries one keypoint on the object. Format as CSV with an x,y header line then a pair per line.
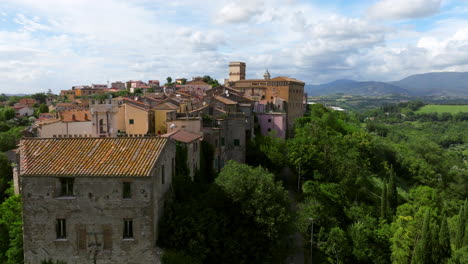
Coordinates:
x,y
90,156
225,100
76,115
182,136
285,79
165,106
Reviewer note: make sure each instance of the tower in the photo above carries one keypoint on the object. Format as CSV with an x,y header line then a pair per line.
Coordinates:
x,y
267,75
236,71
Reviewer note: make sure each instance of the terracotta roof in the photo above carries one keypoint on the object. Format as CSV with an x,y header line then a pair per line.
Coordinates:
x,y
40,123
285,79
165,106
182,136
196,82
90,156
225,100
76,115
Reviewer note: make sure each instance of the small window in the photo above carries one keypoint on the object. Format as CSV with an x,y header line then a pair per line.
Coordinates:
x,y
269,120
222,141
128,229
66,186
236,142
61,228
269,129
163,180
131,121
173,167
127,190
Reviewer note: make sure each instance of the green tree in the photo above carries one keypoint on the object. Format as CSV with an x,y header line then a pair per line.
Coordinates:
x,y
176,257
444,241
6,175
422,252
41,97
384,203
392,194
10,220
261,199
43,108
460,228
169,81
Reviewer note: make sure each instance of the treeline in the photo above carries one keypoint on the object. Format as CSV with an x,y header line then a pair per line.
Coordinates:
x,y
369,194
402,112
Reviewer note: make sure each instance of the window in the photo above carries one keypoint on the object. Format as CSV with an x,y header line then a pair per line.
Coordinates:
x,y
173,167
127,190
269,120
269,129
131,121
128,229
222,141
163,180
236,142
66,186
61,228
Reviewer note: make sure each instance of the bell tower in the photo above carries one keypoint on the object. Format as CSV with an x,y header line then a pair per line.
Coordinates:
x,y
236,71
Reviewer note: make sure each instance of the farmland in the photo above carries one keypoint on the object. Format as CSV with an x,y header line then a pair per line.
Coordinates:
x,y
453,109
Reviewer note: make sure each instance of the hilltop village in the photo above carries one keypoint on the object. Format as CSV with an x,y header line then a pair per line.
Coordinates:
x,y
96,170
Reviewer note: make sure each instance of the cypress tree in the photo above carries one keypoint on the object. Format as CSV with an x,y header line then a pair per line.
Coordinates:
x,y
422,253
460,228
444,241
392,194
384,203
434,246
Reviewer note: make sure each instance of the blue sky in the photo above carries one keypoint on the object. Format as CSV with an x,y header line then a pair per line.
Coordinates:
x,y
55,44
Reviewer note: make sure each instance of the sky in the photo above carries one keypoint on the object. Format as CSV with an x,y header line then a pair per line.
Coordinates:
x,y
56,44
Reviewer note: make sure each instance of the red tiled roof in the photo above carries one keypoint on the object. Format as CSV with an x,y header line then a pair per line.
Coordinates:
x,y
76,115
90,156
225,100
182,136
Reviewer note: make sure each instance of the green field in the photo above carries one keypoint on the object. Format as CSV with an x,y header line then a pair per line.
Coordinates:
x,y
453,109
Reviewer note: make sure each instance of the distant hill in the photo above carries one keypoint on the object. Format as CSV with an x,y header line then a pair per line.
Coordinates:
x,y
427,84
436,83
355,88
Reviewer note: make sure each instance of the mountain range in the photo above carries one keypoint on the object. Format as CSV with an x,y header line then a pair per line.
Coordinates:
x,y
426,84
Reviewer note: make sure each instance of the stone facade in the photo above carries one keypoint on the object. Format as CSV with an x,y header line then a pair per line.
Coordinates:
x,y
98,218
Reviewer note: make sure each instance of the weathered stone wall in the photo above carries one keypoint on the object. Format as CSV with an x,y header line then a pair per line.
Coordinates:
x,y
95,216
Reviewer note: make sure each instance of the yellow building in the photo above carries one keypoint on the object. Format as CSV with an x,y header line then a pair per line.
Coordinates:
x,y
139,119
163,113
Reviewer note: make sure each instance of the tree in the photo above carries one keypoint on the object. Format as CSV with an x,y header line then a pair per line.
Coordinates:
x,y
384,203
41,97
6,175
392,194
422,252
261,199
460,228
169,81
444,241
43,108
10,220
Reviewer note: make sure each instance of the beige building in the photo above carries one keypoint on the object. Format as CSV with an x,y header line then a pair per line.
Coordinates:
x,y
100,204
270,90
108,117
70,123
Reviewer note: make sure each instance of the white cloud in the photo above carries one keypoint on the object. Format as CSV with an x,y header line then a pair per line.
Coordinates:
x,y
404,9
239,11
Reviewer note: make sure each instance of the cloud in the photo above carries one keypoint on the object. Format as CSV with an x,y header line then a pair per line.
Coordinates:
x,y
403,9
239,11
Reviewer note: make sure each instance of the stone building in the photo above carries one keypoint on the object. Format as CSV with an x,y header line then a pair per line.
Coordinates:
x,y
94,200
268,90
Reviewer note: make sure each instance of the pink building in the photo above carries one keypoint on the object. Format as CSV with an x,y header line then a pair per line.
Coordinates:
x,y
272,122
